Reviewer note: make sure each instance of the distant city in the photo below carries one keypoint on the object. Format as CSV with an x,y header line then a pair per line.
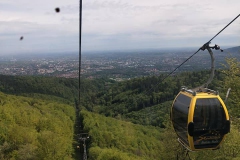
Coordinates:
x,y
114,65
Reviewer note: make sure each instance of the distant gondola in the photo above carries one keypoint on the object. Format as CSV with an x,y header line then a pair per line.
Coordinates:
x,y
199,116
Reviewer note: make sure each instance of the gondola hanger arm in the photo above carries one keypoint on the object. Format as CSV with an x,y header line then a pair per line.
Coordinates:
x,y
203,87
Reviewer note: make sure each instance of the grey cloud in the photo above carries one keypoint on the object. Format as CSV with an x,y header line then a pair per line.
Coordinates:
x,y
96,5
114,23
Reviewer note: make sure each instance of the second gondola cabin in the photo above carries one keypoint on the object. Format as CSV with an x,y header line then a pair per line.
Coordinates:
x,y
200,119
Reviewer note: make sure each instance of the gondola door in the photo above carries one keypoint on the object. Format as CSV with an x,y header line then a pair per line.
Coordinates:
x,y
210,124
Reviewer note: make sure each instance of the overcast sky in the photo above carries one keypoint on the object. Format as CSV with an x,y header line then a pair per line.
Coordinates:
x,y
115,24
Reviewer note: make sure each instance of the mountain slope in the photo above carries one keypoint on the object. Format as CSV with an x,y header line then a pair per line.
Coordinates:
x,y
111,138
31,128
233,49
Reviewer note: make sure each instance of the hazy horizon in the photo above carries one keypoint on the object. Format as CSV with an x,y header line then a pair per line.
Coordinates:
x,y
104,52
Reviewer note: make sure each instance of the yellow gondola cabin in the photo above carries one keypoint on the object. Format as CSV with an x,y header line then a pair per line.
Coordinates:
x,y
200,119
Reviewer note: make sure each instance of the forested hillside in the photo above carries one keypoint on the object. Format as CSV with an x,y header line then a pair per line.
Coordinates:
x,y
125,120
116,139
38,116
63,88
146,100
31,128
